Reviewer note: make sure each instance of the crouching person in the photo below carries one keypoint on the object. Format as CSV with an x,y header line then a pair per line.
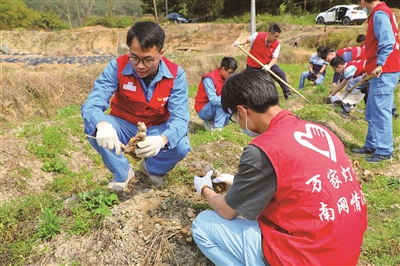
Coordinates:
x,y
295,187
208,98
141,86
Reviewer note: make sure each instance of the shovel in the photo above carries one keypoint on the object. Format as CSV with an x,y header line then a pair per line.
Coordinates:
x,y
353,98
272,73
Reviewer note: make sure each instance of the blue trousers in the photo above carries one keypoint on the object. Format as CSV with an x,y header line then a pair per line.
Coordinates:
x,y
305,75
378,114
228,242
160,164
215,113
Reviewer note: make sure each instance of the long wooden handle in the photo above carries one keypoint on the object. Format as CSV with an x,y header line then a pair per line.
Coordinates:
x,y
272,73
359,83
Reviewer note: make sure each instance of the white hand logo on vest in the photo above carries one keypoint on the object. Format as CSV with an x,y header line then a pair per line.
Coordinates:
x,y
315,135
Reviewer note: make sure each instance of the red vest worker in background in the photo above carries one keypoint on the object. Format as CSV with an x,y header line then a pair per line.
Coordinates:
x,y
265,46
208,98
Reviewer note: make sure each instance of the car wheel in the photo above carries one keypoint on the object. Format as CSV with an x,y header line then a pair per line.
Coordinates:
x,y
320,20
346,21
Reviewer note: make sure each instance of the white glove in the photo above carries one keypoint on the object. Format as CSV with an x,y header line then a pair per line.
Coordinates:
x,y
266,67
107,137
236,43
224,178
201,182
150,146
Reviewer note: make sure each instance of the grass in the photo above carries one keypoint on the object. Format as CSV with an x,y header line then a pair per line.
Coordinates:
x,y
76,201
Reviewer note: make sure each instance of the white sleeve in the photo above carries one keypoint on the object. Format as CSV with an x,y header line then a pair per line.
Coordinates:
x,y
253,37
275,54
349,72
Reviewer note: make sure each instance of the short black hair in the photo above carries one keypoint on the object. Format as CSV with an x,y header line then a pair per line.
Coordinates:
x,y
336,61
274,28
229,63
252,88
320,49
360,38
325,52
148,34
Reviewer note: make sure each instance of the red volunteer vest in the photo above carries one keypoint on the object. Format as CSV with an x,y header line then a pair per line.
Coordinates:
x,y
260,51
357,52
129,102
318,213
201,97
360,66
371,42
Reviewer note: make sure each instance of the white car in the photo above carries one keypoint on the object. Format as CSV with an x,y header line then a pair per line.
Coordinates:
x,y
345,14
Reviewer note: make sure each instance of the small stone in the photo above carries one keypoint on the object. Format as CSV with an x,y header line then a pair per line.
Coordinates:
x,y
395,206
368,173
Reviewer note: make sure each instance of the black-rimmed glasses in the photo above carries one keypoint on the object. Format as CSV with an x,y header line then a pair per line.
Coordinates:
x,y
148,62
229,72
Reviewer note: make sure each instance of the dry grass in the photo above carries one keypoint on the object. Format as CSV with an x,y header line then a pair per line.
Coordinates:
x,y
41,91
160,249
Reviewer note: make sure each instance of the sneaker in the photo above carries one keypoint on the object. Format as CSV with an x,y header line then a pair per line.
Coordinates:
x,y
291,96
376,158
120,186
208,124
157,180
363,150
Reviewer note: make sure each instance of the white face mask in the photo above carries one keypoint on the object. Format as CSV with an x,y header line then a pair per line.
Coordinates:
x,y
247,130
365,9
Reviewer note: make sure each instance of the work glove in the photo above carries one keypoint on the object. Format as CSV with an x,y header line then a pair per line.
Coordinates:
x,y
150,146
107,137
224,178
236,43
202,182
266,67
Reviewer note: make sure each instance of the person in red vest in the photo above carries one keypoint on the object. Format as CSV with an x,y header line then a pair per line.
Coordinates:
x,y
348,54
350,74
208,98
383,63
295,187
265,46
141,86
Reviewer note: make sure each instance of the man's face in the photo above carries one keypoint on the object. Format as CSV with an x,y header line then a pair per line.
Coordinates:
x,y
144,62
273,36
330,56
226,73
339,69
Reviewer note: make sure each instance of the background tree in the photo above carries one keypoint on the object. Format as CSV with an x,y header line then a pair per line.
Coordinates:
x,y
16,14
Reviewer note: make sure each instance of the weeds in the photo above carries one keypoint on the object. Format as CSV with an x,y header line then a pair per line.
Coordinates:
x,y
98,202
49,224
